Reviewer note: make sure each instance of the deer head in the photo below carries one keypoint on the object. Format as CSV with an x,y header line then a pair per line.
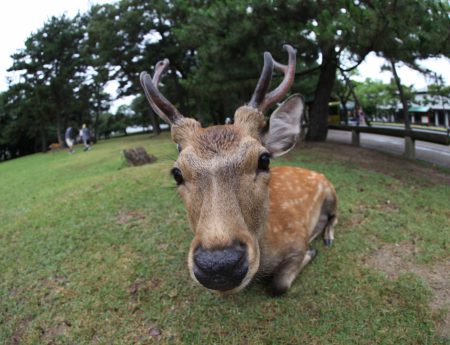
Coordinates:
x,y
222,173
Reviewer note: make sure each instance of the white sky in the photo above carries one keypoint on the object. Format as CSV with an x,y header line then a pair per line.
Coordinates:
x,y
19,18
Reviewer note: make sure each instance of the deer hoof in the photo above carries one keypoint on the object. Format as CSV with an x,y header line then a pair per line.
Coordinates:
x,y
328,242
312,252
278,288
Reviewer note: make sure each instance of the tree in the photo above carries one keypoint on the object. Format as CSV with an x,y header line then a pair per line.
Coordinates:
x,y
439,90
50,69
142,35
414,30
344,32
5,121
227,53
376,97
100,69
143,114
215,49
344,88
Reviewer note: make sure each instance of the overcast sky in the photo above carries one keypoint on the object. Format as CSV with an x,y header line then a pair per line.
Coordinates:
x,y
19,18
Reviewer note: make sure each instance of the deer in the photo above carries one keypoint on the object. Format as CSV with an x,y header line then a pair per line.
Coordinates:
x,y
249,220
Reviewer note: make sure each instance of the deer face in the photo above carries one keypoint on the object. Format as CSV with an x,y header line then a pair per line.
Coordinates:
x,y
222,175
225,194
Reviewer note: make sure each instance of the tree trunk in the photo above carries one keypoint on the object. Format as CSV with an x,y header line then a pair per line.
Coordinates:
x,y
154,121
344,110
318,125
352,90
59,130
43,140
97,112
96,123
402,97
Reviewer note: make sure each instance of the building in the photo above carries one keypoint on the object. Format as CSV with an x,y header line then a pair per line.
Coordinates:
x,y
427,109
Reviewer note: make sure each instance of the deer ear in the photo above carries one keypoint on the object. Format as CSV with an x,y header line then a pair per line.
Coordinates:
x,y
284,127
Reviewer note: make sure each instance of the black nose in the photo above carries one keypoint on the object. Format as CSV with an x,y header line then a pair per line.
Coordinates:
x,y
221,269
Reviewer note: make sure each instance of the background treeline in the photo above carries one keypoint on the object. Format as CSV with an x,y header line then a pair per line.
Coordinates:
x,y
215,50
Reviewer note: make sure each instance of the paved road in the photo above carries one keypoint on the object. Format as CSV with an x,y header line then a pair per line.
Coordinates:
x,y
432,153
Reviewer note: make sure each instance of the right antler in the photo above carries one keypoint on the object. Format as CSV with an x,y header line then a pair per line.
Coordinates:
x,y
260,99
158,102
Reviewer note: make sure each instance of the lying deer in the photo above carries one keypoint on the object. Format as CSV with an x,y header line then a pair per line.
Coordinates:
x,y
247,219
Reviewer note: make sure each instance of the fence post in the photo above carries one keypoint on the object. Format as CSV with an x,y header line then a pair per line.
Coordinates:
x,y
410,149
355,138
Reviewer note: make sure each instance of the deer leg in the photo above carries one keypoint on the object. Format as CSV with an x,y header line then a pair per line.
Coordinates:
x,y
288,270
326,222
328,234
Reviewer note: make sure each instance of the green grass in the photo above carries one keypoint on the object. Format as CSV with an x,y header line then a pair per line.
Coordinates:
x,y
93,252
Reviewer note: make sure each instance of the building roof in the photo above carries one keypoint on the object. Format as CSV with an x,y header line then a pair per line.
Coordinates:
x,y
419,109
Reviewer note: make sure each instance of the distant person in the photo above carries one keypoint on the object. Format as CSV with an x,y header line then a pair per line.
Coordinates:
x,y
69,138
360,117
86,137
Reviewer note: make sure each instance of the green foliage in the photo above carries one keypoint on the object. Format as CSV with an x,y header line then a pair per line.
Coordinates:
x,y
414,30
421,31
50,69
374,94
215,49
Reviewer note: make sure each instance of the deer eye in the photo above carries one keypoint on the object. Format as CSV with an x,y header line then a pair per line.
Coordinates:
x,y
177,175
264,162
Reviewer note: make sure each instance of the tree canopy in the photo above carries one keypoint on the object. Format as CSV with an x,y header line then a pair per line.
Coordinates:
x,y
215,51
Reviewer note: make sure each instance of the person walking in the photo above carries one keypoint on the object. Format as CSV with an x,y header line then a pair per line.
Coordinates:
x,y
86,137
69,139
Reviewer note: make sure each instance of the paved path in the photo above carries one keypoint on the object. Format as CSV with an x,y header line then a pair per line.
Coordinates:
x,y
432,153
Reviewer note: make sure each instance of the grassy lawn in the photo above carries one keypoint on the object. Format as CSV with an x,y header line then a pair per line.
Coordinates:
x,y
93,252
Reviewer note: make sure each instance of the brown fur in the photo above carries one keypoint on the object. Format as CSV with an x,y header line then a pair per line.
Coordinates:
x,y
296,197
212,140
275,214
54,147
246,219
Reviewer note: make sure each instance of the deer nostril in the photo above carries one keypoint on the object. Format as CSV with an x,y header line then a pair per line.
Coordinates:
x,y
218,260
221,269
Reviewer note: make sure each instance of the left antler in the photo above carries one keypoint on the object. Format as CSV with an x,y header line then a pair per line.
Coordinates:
x,y
158,102
260,99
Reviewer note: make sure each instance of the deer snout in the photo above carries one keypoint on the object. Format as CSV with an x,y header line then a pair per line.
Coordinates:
x,y
221,269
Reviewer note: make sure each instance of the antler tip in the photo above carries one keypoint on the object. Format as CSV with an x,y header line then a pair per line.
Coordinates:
x,y
142,76
162,63
289,48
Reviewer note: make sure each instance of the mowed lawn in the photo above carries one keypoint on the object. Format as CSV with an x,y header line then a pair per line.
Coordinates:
x,y
94,252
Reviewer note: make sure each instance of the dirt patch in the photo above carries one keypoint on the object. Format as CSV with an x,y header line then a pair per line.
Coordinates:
x,y
394,166
19,332
59,330
144,286
357,218
129,217
395,259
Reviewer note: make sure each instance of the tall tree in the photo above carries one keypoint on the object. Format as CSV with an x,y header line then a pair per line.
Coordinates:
x,y
51,60
377,97
416,29
130,36
344,33
227,51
